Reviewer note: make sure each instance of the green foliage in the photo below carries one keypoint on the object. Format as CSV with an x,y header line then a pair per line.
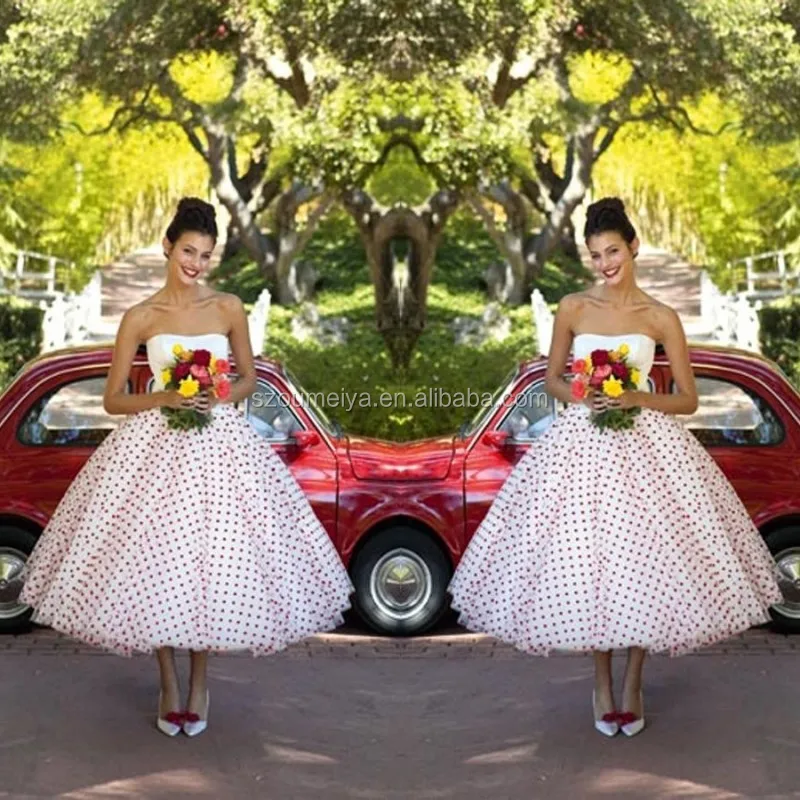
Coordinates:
x,y
714,200
87,199
20,336
361,369
780,336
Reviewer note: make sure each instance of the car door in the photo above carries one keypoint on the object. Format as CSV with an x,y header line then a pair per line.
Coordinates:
x,y
738,423
278,416
60,427
519,421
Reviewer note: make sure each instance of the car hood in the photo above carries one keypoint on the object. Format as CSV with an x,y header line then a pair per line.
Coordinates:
x,y
377,460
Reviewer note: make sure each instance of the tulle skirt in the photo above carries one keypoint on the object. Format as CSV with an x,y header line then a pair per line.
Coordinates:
x,y
608,539
192,539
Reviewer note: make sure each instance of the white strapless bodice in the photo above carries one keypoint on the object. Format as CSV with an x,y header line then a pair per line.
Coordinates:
x,y
641,355
160,355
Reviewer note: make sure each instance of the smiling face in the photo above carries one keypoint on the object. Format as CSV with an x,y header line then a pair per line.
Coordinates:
x,y
612,256
189,258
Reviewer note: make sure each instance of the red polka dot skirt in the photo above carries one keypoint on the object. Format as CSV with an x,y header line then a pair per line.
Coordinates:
x,y
194,539
608,539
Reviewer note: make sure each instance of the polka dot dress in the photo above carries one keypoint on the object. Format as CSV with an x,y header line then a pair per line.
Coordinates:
x,y
194,539
608,539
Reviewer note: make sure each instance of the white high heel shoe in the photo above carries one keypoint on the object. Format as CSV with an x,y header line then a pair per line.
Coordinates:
x,y
607,724
171,723
192,724
631,724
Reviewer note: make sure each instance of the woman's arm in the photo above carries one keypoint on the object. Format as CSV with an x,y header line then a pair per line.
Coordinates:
x,y
684,401
554,383
239,336
115,399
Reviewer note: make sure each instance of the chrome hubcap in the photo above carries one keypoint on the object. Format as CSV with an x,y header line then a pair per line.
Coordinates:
x,y
788,562
12,563
401,583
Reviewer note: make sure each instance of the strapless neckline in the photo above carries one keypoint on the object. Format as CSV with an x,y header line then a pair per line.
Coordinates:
x,y
186,336
616,336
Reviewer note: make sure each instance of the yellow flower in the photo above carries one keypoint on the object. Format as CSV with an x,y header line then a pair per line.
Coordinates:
x,y
177,349
189,387
212,365
614,355
589,368
624,350
186,355
636,376
612,387
166,376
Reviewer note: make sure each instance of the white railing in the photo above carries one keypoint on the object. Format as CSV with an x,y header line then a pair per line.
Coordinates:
x,y
762,284
34,284
731,318
542,321
257,322
71,318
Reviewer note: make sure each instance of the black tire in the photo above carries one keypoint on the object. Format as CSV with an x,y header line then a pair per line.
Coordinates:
x,y
418,603
784,544
16,544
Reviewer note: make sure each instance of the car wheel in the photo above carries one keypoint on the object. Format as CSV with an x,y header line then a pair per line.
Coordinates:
x,y
16,545
401,578
784,544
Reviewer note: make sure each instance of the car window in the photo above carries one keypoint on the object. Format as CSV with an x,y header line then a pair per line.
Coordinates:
x,y
729,414
71,414
269,412
531,414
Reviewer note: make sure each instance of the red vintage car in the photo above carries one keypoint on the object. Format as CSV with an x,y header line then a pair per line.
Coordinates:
x,y
400,515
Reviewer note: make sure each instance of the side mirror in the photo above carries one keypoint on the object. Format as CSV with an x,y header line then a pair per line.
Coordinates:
x,y
304,438
495,438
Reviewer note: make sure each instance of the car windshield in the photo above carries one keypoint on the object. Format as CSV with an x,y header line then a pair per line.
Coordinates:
x,y
330,426
484,411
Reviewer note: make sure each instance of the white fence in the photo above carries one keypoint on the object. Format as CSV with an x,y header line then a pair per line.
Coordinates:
x,y
257,322
71,318
730,318
29,281
767,276
542,321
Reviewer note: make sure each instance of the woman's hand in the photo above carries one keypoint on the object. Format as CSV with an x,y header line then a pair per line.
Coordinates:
x,y
204,402
174,399
625,400
596,401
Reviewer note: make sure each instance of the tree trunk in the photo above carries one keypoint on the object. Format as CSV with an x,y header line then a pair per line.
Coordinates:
x,y
400,244
575,185
258,246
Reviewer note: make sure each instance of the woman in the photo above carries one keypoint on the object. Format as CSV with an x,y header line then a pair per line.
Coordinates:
x,y
604,539
198,539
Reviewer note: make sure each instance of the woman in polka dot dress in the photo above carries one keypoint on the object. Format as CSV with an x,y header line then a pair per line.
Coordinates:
x,y
198,539
604,539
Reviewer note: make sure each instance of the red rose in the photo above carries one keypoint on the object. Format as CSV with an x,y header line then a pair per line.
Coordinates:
x,y
202,358
182,370
619,371
599,358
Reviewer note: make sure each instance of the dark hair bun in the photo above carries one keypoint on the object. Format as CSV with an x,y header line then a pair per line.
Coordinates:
x,y
193,214
608,214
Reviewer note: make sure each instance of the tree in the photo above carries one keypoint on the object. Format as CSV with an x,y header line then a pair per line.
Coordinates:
x,y
576,73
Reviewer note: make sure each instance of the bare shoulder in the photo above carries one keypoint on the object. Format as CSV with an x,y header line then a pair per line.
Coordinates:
x,y
230,303
665,318
573,303
137,318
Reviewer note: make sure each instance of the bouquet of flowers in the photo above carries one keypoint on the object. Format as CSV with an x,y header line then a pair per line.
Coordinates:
x,y
194,371
608,372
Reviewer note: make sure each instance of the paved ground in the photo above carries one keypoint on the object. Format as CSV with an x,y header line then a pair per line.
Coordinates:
x,y
453,717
